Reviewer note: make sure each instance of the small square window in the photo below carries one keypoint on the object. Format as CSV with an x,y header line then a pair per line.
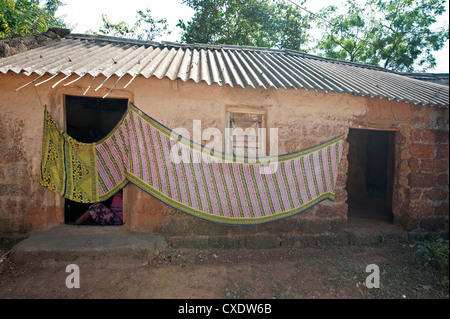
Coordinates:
x,y
246,134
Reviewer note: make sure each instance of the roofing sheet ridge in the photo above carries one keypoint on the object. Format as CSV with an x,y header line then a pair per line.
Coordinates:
x,y
224,46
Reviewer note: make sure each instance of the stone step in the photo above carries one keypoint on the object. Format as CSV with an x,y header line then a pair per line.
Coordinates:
x,y
96,244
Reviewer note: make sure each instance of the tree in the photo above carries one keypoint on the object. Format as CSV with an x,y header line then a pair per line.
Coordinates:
x,y
145,27
262,23
394,34
404,36
19,18
345,35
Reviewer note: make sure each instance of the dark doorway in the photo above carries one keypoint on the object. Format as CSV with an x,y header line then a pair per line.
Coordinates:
x,y
88,121
370,174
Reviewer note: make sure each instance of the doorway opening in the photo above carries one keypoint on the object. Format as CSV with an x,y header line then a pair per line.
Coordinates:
x,y
89,120
371,160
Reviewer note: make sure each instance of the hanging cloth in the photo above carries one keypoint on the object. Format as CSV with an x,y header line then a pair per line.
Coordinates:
x,y
216,187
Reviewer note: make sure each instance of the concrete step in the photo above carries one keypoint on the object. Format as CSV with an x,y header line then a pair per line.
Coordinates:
x,y
101,245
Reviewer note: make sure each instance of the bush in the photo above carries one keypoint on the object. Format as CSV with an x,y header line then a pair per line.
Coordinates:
x,y
435,251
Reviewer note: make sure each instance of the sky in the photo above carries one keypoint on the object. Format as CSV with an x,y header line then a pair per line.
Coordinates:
x,y
83,16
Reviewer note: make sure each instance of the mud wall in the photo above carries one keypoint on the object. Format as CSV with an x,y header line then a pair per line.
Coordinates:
x,y
428,208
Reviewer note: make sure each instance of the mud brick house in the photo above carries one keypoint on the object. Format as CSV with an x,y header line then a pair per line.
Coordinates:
x,y
394,164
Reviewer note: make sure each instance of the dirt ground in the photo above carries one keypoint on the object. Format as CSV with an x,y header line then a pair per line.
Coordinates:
x,y
310,273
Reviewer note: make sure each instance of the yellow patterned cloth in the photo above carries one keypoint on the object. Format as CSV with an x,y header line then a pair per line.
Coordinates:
x,y
68,167
185,175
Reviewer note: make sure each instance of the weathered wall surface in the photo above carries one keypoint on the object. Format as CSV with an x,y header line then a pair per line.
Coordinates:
x,y
428,207
303,118
24,205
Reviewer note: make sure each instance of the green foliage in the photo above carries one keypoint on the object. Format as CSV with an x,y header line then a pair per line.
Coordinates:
x,y
262,23
394,34
345,36
405,36
145,27
19,18
435,250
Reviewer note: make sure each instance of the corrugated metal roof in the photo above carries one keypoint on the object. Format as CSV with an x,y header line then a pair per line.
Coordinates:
x,y
222,65
440,78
